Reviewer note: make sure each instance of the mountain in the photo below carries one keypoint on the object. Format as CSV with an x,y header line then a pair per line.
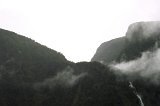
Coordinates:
x,y
33,75
23,57
109,51
137,59
140,37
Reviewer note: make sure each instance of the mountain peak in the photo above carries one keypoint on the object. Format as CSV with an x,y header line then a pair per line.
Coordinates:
x,y
143,30
140,36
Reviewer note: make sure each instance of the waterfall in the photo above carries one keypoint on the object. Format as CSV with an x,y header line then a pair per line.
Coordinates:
x,y
135,92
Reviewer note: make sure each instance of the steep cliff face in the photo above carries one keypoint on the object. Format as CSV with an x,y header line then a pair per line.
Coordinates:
x,y
143,30
109,51
140,36
138,60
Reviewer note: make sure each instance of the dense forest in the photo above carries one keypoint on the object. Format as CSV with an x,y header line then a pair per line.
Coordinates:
x,y
33,75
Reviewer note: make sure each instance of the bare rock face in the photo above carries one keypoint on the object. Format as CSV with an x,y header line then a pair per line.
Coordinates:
x,y
143,30
140,35
109,51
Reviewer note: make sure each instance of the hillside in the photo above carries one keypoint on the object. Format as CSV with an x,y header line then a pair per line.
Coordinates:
x,y
137,59
34,75
23,57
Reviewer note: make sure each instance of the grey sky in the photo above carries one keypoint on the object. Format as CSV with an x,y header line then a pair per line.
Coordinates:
x,y
75,27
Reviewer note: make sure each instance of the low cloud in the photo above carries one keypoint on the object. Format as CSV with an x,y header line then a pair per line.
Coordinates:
x,y
65,78
143,30
147,66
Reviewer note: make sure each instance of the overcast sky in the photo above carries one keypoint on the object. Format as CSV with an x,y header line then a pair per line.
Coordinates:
x,y
75,27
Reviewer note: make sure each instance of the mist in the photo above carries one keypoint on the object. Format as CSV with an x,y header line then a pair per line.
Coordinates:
x,y
147,66
65,78
143,30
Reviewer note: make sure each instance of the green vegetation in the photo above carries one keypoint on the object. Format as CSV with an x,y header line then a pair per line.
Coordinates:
x,y
31,75
34,75
25,59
